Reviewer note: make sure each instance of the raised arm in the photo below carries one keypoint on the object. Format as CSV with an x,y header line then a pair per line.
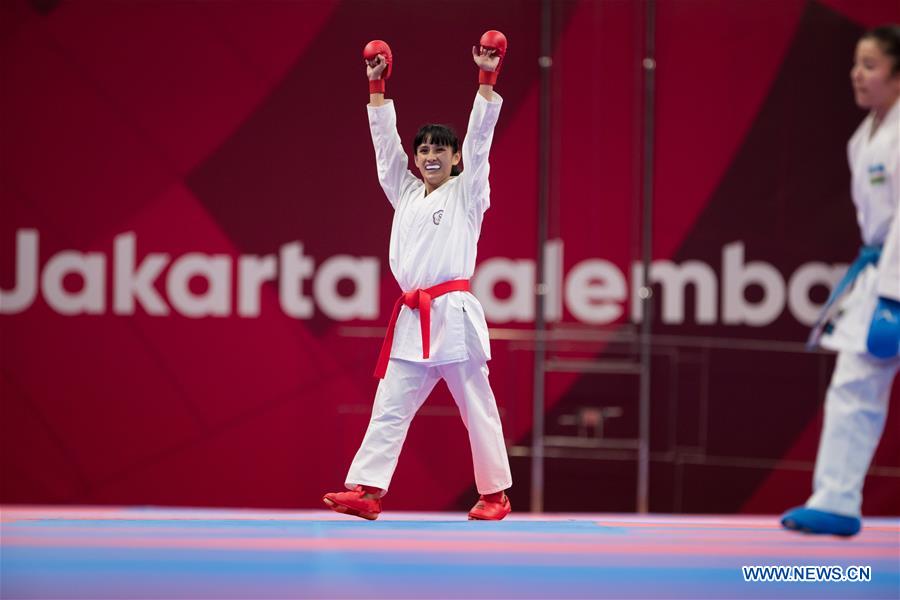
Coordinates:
x,y
390,159
379,61
488,56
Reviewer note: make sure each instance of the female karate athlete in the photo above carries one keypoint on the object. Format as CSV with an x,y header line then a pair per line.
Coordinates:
x,y
437,329
862,317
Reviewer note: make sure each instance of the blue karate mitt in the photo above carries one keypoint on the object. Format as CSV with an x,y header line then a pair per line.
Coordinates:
x,y
884,332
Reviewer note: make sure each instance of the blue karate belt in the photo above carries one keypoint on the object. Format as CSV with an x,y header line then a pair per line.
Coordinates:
x,y
868,255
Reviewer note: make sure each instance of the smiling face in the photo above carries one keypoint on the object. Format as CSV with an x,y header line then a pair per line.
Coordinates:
x,y
435,162
436,154
875,78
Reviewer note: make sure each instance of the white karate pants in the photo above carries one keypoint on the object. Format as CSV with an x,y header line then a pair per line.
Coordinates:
x,y
856,408
403,390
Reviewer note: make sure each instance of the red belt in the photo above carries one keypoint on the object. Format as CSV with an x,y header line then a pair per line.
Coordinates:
x,y
420,299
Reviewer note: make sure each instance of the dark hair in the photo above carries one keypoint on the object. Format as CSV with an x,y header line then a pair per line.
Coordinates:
x,y
439,135
888,39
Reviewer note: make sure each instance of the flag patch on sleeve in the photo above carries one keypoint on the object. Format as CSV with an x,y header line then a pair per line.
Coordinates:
x,y
876,174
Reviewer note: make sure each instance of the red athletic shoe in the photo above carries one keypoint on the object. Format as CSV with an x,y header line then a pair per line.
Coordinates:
x,y
485,510
354,503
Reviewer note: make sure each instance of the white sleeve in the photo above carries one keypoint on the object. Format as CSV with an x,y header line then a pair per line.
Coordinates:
x,y
392,162
889,263
475,149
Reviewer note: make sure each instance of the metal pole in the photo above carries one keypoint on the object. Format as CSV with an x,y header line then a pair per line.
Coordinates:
x,y
649,66
545,63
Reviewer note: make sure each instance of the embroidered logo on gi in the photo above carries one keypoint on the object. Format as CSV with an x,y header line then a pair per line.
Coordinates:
x,y
876,174
436,217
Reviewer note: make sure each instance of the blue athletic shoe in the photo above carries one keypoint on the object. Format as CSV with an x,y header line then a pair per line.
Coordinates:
x,y
810,520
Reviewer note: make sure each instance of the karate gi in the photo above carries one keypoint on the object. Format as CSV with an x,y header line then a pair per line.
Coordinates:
x,y
434,240
857,399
